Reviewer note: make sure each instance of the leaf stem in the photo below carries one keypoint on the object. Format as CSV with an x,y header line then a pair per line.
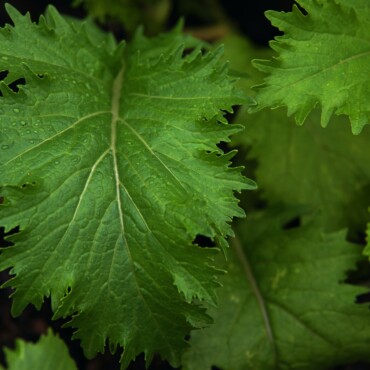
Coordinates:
x,y
236,245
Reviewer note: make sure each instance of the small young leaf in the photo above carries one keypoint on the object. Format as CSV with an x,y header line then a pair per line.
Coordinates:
x,y
49,352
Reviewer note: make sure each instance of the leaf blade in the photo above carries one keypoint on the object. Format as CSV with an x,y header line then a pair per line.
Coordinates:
x,y
49,352
300,275
108,195
305,75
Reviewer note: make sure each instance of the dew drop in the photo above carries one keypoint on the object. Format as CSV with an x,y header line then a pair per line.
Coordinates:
x,y
4,58
4,147
32,141
56,162
16,110
23,123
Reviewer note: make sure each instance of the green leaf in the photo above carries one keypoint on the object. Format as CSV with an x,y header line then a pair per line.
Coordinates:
x,y
282,305
323,61
325,170
131,13
239,53
49,352
110,166
367,248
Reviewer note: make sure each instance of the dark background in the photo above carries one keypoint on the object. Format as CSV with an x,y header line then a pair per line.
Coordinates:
x,y
248,17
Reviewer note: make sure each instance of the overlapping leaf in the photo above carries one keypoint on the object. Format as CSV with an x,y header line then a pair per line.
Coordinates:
x,y
110,166
283,304
239,53
131,13
49,352
324,169
323,61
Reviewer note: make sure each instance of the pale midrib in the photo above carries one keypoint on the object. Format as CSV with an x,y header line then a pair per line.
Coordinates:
x,y
117,87
170,97
235,243
328,68
116,97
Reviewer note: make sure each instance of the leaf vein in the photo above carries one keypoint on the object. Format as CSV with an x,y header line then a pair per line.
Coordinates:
x,y
55,136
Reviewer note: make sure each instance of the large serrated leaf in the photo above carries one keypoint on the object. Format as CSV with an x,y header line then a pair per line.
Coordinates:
x,y
326,170
283,304
323,61
110,166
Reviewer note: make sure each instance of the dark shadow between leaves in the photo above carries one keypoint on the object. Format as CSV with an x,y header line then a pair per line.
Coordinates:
x,y
204,241
14,86
292,224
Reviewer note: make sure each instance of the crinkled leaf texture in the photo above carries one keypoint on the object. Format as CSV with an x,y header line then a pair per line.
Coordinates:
x,y
283,304
323,61
326,170
49,352
110,166
305,164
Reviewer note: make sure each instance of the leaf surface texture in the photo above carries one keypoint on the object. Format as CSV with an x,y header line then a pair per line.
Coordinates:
x,y
325,170
110,166
323,60
284,302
